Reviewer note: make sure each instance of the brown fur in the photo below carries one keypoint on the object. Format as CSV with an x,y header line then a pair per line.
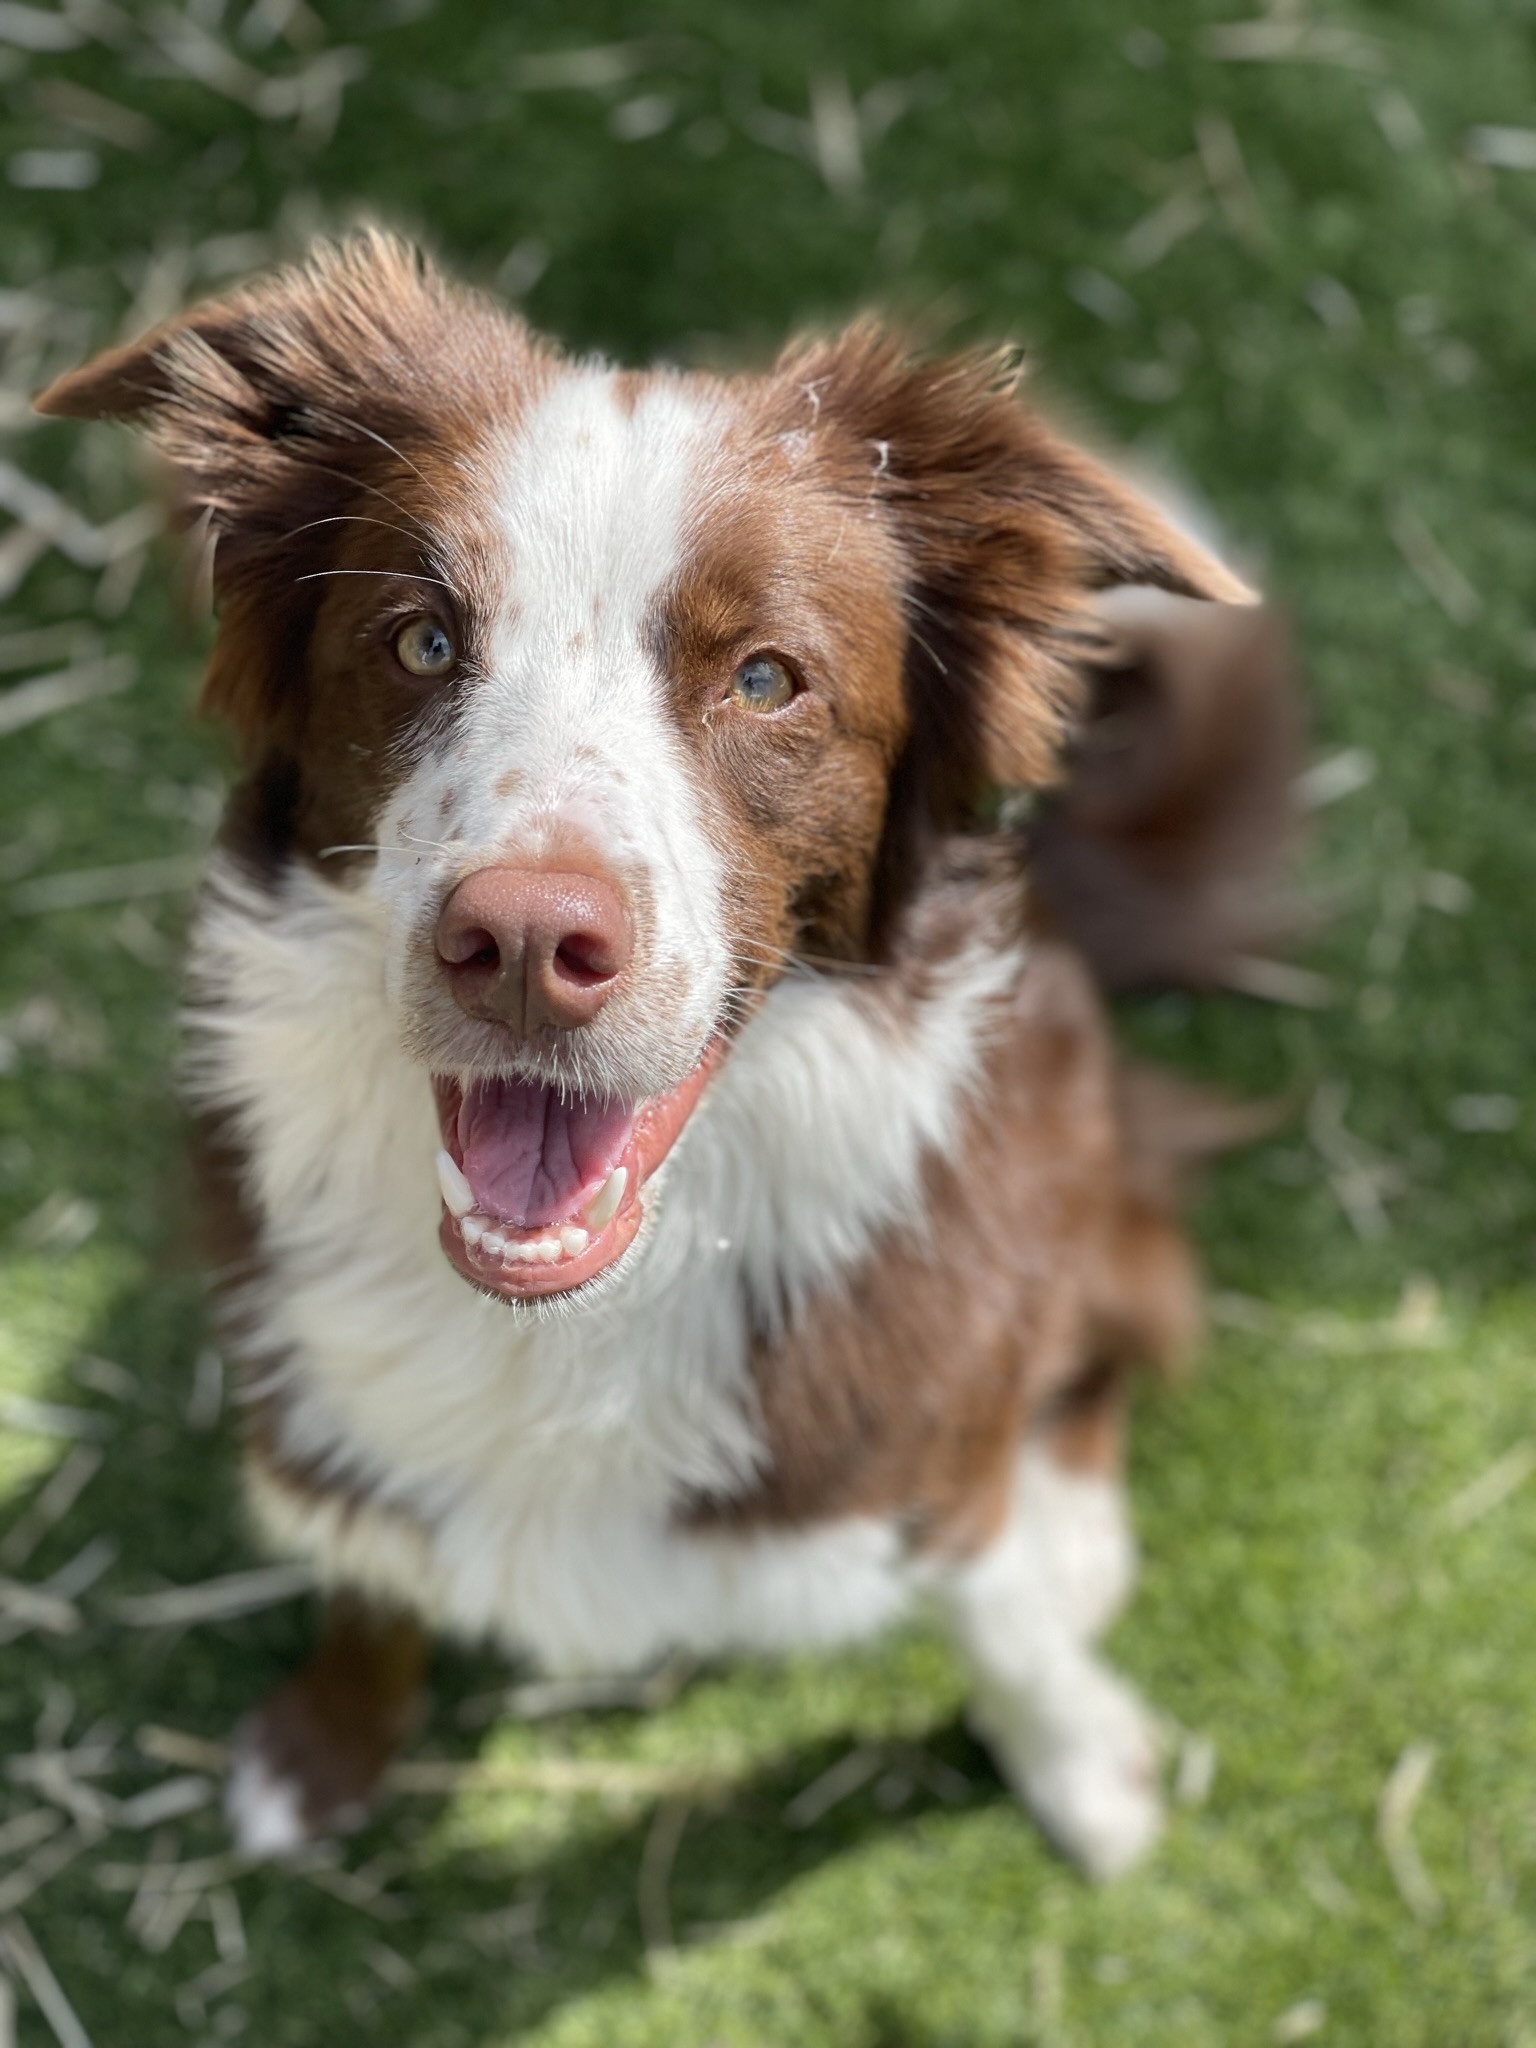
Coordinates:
x,y
325,431
334,1726
1049,1259
1159,855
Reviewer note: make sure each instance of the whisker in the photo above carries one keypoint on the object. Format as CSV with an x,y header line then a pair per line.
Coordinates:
x,y
813,966
407,575
362,483
326,852
929,649
351,519
340,419
412,845
824,963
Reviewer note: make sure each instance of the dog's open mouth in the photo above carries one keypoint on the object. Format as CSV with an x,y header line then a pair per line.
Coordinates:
x,y
542,1193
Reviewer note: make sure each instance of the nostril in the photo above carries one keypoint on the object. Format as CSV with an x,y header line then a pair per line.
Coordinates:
x,y
583,959
472,947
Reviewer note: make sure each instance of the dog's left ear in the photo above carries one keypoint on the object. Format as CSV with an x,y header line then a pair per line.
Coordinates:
x,y
1005,531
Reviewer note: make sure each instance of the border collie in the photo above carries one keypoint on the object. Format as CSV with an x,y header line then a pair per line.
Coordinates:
x,y
677,1189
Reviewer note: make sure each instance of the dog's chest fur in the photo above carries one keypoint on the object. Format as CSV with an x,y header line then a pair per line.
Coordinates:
x,y
593,1488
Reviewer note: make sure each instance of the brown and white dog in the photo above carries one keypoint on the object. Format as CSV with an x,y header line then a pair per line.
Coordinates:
x,y
687,1198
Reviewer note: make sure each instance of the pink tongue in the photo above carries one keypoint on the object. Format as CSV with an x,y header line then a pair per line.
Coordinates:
x,y
527,1155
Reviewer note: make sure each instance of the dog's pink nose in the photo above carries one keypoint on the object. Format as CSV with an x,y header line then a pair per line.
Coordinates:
x,y
531,949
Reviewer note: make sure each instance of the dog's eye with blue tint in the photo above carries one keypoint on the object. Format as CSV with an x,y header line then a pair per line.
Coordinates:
x,y
762,684
423,648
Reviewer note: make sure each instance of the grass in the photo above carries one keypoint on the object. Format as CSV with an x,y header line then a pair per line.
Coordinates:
x,y
1336,345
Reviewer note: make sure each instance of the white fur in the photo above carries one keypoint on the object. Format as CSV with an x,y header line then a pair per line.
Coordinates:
x,y
1078,1522
263,1810
566,738
524,1471
1070,1737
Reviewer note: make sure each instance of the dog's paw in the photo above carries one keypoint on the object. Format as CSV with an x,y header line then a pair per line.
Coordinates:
x,y
265,1811
1092,1786
293,1780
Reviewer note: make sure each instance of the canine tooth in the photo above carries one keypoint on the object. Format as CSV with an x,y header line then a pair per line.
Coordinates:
x,y
572,1240
472,1228
457,1192
493,1244
607,1199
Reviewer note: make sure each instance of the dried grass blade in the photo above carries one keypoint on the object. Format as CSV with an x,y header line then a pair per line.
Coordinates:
x,y
547,1774
32,1967
1503,1477
590,69
38,1870
222,1599
52,1504
1278,981
653,1884
839,1782
1169,222
835,136
172,1746
1394,1822
82,888
197,1875
228,1925
1432,566
34,1608
167,1801
28,1829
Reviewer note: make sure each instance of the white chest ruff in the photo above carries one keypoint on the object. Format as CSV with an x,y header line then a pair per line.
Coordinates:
x,y
522,1477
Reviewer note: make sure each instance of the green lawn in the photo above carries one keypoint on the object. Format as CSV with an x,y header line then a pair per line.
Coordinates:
x,y
1276,260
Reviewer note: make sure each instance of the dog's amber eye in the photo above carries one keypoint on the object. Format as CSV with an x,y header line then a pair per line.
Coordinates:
x,y
762,684
422,647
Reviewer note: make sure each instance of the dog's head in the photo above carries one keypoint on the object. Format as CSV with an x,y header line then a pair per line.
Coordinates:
x,y
618,692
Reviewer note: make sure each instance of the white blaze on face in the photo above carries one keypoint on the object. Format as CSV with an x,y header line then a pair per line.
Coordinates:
x,y
568,735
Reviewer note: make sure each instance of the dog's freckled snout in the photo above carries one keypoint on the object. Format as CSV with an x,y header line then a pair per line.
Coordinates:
x,y
534,949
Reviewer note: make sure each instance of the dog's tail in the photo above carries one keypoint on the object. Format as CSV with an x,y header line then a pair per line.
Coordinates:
x,y
1160,857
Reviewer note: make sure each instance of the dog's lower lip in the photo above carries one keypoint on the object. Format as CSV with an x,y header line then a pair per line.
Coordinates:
x,y
558,1258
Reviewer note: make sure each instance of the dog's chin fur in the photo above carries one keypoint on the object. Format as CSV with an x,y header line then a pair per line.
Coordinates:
x,y
868,1342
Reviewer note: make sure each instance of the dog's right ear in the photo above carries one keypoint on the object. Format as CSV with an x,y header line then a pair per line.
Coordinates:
x,y
283,410
245,393
119,384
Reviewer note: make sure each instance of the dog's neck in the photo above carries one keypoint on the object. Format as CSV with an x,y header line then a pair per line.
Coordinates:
x,y
807,1149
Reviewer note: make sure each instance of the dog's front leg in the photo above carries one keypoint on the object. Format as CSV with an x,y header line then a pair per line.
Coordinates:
x,y
308,1761
1071,1738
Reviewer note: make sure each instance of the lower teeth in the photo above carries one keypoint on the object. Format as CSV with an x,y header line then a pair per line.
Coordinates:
x,y
478,1233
